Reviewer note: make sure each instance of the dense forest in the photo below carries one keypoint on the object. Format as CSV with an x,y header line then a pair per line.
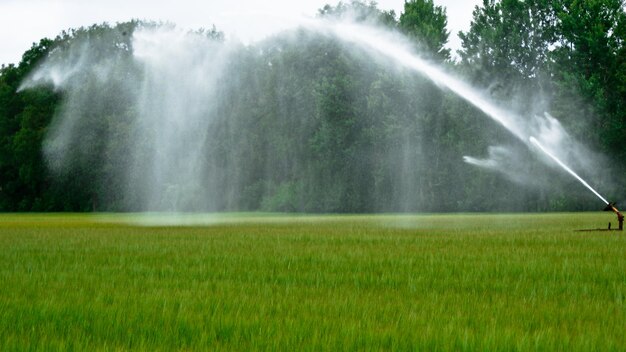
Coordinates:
x,y
305,122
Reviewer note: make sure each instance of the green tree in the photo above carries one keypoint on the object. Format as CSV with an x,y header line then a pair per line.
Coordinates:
x,y
24,118
589,72
507,45
426,24
590,62
360,11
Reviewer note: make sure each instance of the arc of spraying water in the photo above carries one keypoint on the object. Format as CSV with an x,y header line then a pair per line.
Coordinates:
x,y
535,142
389,46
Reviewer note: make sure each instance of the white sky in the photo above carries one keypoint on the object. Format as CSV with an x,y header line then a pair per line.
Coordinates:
x,y
23,22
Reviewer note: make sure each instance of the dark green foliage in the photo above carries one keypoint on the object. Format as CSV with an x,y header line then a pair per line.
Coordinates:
x,y
24,118
426,24
361,12
590,62
507,46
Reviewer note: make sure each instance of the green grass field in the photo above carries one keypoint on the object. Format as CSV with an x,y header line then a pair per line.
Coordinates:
x,y
261,282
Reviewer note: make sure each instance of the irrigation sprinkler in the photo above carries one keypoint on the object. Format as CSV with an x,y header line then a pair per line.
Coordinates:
x,y
620,217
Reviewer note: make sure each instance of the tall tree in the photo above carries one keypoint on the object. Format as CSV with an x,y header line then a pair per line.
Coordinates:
x,y
359,11
590,62
24,118
507,45
426,24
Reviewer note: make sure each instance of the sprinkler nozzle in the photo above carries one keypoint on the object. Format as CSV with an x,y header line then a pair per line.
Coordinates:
x,y
610,207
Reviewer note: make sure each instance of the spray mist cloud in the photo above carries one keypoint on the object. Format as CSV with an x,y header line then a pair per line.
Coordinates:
x,y
170,89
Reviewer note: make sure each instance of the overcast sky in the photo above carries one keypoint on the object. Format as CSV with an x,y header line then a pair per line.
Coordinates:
x,y
23,22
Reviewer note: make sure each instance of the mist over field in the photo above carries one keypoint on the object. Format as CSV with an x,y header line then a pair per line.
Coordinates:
x,y
358,110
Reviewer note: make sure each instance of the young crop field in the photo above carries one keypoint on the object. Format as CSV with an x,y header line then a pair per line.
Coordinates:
x,y
297,283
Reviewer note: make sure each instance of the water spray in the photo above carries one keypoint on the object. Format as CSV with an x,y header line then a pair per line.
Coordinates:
x,y
535,142
609,206
160,50
394,48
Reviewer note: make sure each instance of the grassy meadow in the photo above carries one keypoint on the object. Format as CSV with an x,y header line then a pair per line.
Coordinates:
x,y
310,283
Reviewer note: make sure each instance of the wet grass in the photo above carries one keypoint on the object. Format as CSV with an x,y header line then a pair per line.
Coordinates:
x,y
264,282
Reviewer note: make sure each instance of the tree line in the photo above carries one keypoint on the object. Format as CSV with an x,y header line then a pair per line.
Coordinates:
x,y
308,124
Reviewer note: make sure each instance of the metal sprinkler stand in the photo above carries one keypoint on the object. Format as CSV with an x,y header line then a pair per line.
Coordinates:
x,y
620,217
